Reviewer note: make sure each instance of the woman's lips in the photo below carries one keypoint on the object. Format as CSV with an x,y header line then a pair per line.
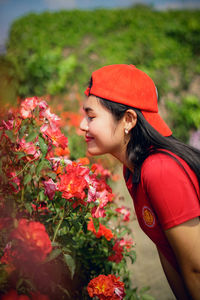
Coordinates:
x,y
88,139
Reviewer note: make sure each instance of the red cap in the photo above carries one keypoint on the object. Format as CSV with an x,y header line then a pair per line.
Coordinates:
x,y
128,85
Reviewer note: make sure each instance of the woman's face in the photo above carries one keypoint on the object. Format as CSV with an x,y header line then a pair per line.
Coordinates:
x,y
103,134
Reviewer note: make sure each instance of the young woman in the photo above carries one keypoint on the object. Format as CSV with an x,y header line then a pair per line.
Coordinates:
x,y
162,174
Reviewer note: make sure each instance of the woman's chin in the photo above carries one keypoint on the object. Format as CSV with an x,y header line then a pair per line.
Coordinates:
x,y
94,152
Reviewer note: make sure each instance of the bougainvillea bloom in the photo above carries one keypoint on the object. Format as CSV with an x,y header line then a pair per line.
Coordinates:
x,y
106,288
73,182
50,188
117,255
125,211
32,239
103,230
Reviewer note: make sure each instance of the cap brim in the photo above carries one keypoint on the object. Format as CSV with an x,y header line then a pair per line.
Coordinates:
x,y
155,120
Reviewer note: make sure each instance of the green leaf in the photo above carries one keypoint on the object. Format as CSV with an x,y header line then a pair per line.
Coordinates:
x,y
31,136
147,297
42,164
20,154
84,226
41,195
70,262
27,178
96,223
64,290
144,289
54,254
22,130
9,134
43,145
28,207
52,175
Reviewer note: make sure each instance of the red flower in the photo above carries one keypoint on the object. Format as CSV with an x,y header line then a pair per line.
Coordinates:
x,y
73,182
83,161
103,231
32,239
99,170
62,152
55,135
12,295
117,255
106,288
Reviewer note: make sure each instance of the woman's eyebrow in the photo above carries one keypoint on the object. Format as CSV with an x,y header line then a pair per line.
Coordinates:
x,y
87,109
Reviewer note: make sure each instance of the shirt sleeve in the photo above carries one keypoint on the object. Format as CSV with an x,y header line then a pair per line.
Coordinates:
x,y
170,191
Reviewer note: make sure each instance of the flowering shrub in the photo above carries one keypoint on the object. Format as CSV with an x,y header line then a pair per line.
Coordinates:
x,y
61,231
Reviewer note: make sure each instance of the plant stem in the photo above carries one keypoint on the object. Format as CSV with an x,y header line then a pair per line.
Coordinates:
x,y
22,195
28,163
58,227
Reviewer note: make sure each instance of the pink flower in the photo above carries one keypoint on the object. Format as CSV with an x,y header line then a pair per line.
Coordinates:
x,y
124,211
50,188
29,148
7,125
126,243
53,119
27,107
101,201
98,212
43,105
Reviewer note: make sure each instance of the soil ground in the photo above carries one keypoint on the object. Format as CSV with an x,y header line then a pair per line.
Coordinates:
x,y
147,270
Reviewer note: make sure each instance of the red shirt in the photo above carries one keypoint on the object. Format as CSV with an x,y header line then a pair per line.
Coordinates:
x,y
164,198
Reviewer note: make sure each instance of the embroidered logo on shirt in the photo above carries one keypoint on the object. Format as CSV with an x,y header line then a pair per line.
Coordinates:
x,y
148,216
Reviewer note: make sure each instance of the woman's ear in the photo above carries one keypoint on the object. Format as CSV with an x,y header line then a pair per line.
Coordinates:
x,y
130,120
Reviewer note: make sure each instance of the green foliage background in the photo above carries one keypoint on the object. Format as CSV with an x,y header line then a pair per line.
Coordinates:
x,y
49,53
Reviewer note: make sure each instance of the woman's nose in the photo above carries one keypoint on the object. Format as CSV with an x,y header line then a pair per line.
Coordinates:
x,y
84,125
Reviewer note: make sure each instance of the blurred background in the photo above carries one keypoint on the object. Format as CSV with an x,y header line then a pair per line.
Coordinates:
x,y
49,49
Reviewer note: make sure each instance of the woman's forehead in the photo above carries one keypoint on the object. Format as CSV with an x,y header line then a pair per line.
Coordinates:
x,y
91,103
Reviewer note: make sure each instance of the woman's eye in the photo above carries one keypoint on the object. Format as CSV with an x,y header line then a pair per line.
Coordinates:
x,y
90,118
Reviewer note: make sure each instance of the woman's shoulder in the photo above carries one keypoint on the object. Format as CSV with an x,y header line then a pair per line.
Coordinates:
x,y
165,165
